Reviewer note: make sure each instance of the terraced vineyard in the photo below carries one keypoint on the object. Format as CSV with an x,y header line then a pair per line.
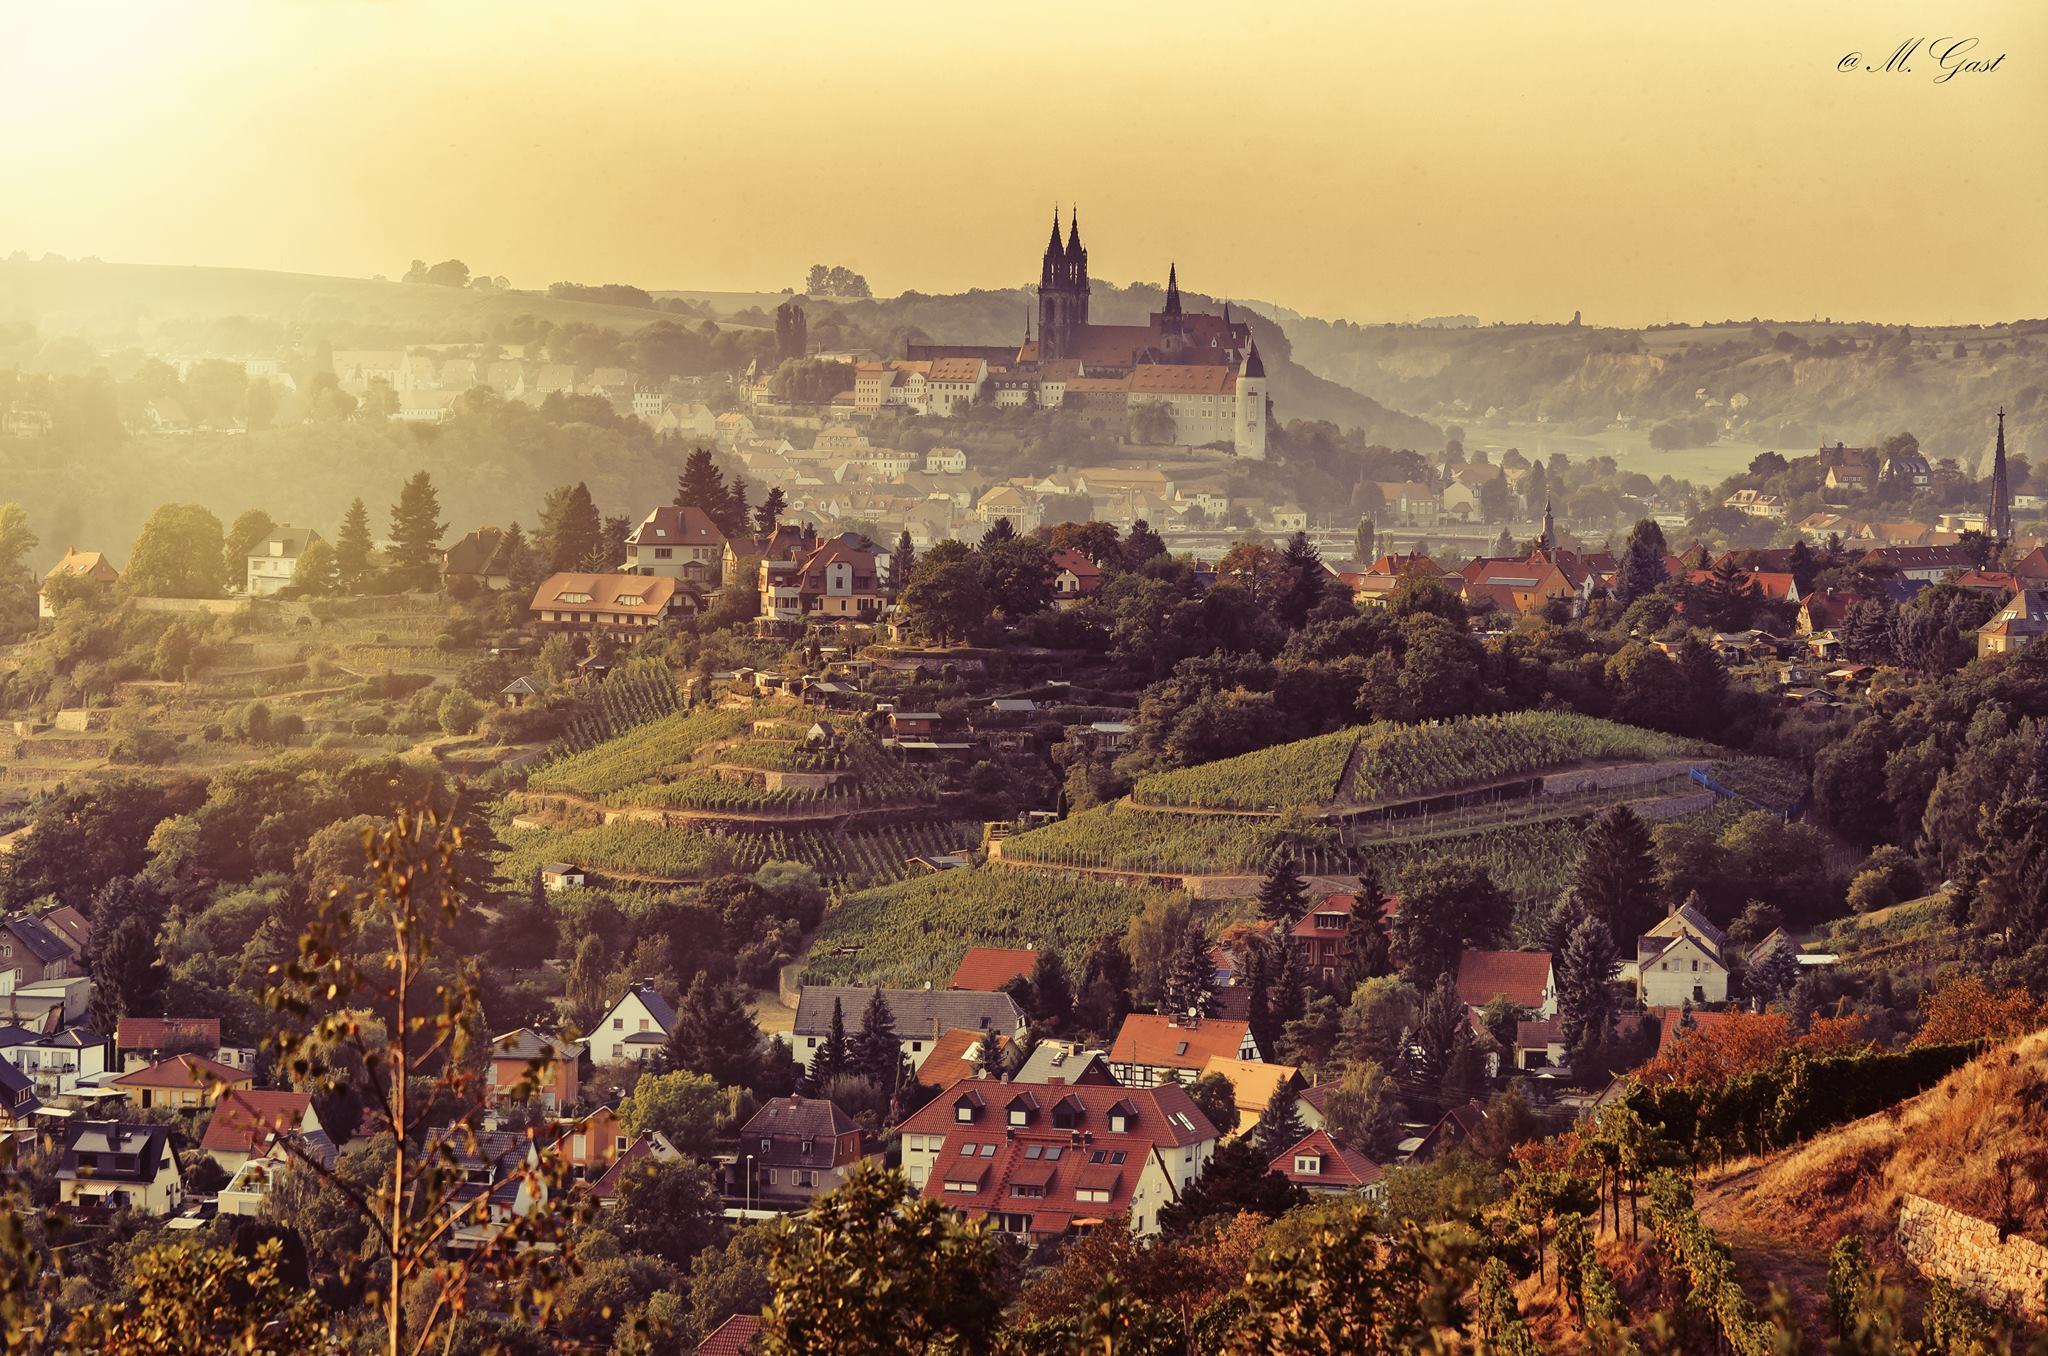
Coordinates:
x,y
1305,772
641,753
915,932
877,777
638,850
1529,858
1397,762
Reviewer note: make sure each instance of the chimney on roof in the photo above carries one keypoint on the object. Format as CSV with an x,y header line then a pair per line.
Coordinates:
x,y
1055,1082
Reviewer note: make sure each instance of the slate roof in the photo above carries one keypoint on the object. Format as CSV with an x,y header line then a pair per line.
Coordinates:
x,y
917,1013
805,1117
150,1145
33,933
1053,1060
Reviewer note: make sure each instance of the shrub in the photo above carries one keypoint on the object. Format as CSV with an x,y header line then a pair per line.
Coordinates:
x,y
460,713
1871,890
372,725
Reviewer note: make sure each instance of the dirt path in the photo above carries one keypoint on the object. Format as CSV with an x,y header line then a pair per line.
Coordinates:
x,y
1763,1259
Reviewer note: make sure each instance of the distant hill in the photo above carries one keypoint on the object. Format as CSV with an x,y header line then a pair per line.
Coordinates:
x,y
1789,386
154,306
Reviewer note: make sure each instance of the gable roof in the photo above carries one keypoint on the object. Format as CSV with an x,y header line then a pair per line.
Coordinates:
x,y
614,593
650,998
78,564
247,1121
800,1117
1343,1168
1254,1083
1052,1059
528,1044
1685,918
1520,976
184,1071
670,525
33,933
69,924
917,1013
734,1337
109,1141
473,552
1164,1041
290,541
155,1033
987,968
952,1057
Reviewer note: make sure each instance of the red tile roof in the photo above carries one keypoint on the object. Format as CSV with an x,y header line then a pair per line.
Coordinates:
x,y
1342,1168
183,1071
154,1033
1042,1157
948,1060
1162,1041
245,1121
734,1337
617,595
1519,975
984,969
1347,904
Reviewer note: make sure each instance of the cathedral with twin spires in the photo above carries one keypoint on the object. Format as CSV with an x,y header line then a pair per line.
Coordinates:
x,y
1203,368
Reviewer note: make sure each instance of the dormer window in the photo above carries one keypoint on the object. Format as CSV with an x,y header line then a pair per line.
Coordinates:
x,y
1120,1117
1310,1165
967,1108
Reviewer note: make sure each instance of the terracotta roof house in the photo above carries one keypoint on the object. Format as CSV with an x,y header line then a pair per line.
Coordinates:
x,y
142,1041
182,1082
1323,934
987,968
734,1337
1152,1048
1074,576
679,542
608,602
791,1150
246,1123
513,1059
1038,1160
1524,977
90,566
1321,1165
1539,1044
955,1055
470,559
921,1016
644,1151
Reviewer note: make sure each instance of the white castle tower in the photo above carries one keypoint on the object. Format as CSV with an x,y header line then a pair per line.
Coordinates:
x,y
1250,439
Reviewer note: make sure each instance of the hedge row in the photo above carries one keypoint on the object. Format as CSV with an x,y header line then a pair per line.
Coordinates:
x,y
1794,1099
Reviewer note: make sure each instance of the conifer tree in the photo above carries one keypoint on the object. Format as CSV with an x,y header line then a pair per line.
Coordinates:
x,y
352,547
1616,880
1371,953
714,1035
877,1051
770,511
900,562
1141,544
1283,898
1052,994
1000,531
416,530
1308,580
701,485
571,528
1642,562
1585,987
1191,980
1280,1126
1439,1033
733,522
830,1061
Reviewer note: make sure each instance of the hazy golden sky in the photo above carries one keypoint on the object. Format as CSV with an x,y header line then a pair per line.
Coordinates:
x,y
1640,160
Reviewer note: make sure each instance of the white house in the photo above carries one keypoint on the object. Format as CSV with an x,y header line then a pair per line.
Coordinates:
x,y
940,461
637,1027
111,1164
1680,961
274,560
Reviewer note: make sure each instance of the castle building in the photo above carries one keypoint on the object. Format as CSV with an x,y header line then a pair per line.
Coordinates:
x,y
1203,369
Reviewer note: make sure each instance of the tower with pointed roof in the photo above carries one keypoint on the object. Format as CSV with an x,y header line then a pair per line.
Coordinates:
x,y
1062,291
1173,333
1998,516
1250,435
1548,541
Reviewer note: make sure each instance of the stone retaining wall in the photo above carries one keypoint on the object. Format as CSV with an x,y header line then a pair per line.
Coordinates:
x,y
2009,1274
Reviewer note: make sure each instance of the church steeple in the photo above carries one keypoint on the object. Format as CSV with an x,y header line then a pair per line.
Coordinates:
x,y
1253,367
1998,517
1055,257
1077,257
1548,541
1172,290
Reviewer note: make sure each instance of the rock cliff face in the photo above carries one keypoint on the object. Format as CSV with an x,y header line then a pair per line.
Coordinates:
x,y
2006,1273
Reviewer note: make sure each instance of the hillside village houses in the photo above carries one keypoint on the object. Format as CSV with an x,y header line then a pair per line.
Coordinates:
x,y
920,1016
90,568
274,560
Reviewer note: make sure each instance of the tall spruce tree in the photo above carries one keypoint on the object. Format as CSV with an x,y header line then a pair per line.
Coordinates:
x,y
571,528
1371,954
1283,897
900,562
352,547
1141,544
701,485
831,1059
1616,878
770,511
877,1049
1585,987
714,1035
1307,581
1280,1126
1441,1031
1191,981
416,531
1642,562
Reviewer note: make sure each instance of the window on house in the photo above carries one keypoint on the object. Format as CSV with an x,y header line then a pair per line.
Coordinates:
x,y
1309,1164
618,1024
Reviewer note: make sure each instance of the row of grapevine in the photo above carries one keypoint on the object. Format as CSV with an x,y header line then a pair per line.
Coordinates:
x,y
643,752
1403,761
1708,1268
637,849
1305,772
915,932
627,699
